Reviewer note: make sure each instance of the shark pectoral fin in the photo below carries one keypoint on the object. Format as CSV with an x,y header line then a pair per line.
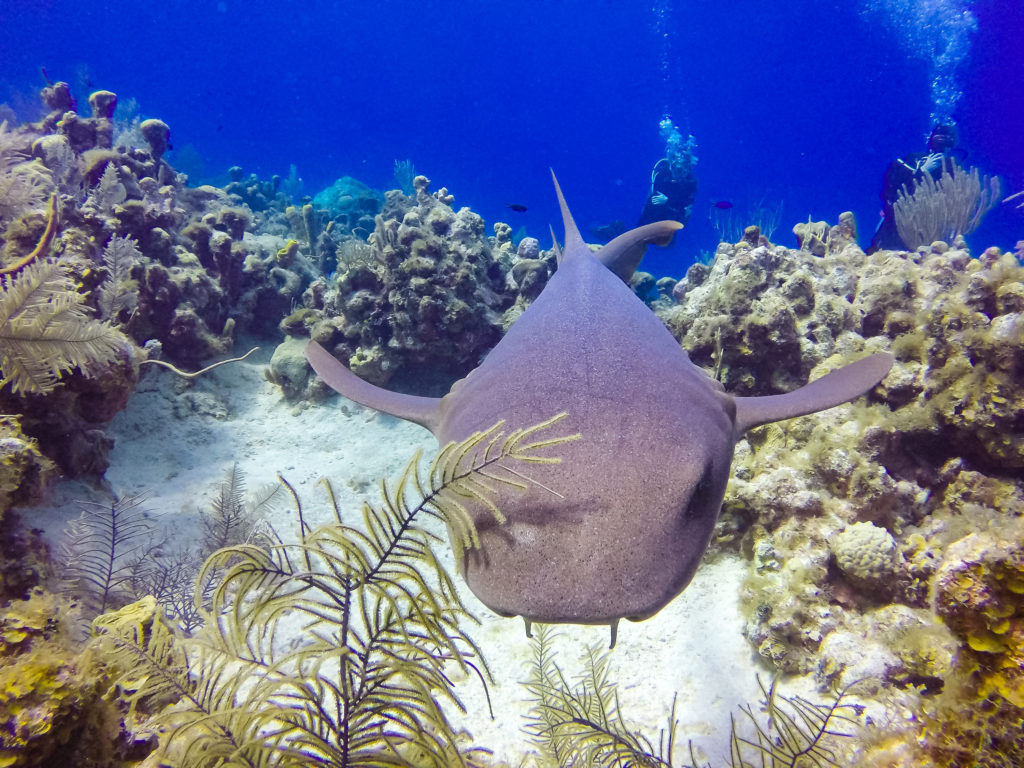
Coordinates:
x,y
623,254
830,390
424,411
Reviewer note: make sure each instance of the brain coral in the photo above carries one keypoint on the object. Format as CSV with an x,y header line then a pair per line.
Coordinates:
x,y
864,551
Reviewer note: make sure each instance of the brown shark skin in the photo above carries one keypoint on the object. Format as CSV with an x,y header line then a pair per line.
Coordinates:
x,y
638,495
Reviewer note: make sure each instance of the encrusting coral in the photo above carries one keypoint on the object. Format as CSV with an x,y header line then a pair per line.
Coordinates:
x,y
52,697
431,298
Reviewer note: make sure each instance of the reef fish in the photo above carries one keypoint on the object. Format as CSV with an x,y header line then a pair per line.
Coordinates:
x,y
636,498
517,207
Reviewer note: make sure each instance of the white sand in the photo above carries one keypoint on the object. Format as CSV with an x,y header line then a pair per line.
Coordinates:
x,y
177,440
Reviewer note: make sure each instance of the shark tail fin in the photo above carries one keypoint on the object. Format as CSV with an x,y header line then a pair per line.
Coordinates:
x,y
424,411
830,390
623,254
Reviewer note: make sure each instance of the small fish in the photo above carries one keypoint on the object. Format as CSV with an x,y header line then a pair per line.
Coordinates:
x,y
722,205
517,207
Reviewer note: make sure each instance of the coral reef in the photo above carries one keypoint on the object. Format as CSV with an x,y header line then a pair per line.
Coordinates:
x,y
52,704
350,204
880,533
173,269
431,297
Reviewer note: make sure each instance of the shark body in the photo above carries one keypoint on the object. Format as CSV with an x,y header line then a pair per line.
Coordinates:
x,y
638,495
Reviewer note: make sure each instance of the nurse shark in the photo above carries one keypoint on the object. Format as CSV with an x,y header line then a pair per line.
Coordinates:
x,y
636,498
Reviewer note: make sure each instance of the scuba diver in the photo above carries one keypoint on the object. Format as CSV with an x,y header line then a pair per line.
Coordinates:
x,y
905,173
673,182
673,190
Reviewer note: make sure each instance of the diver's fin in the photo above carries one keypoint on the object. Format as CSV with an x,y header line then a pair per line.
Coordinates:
x,y
424,411
834,388
623,254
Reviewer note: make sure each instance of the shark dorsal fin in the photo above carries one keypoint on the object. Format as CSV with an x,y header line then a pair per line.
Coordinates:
x,y
834,388
573,239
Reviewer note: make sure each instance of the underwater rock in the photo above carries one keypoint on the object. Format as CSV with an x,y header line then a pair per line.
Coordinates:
x,y
430,297
69,422
53,708
288,367
24,470
977,591
935,457
894,644
350,204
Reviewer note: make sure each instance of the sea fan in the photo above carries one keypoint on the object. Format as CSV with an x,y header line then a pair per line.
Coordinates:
x,y
45,330
104,545
24,183
944,208
109,191
234,518
383,626
118,292
581,724
798,732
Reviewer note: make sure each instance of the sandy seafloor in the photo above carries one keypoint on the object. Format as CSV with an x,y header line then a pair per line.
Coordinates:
x,y
176,441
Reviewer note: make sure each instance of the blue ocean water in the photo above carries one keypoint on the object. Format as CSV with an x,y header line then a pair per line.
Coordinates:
x,y
798,103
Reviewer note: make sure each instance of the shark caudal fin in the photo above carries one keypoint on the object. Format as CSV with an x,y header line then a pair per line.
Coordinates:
x,y
623,254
